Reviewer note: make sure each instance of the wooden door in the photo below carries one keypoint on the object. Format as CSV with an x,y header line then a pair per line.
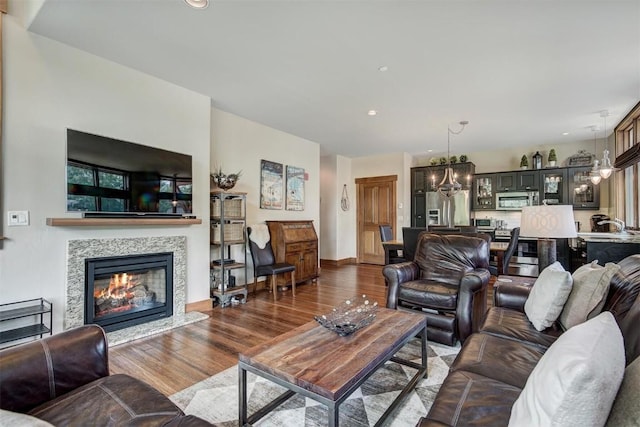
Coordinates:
x,y
376,198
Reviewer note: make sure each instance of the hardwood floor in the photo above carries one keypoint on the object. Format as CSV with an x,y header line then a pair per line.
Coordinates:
x,y
179,358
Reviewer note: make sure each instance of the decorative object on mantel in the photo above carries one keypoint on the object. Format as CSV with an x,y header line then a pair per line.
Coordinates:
x,y
581,158
443,160
453,159
223,181
344,201
464,158
351,315
552,159
524,162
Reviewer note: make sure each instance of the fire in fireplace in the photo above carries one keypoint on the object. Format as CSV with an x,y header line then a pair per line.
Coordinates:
x,y
128,290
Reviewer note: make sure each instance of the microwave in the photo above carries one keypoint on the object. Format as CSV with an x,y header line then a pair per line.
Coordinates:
x,y
515,201
483,222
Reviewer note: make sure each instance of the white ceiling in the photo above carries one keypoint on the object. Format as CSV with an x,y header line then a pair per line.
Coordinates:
x,y
522,72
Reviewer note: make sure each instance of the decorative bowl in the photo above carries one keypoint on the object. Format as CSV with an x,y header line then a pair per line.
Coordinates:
x,y
348,317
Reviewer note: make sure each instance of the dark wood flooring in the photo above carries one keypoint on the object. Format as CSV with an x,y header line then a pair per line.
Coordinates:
x,y
179,358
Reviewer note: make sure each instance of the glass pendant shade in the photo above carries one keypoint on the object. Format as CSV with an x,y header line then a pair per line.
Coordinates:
x,y
595,174
606,168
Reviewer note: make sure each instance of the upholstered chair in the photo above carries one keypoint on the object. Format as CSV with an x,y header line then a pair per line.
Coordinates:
x,y
447,281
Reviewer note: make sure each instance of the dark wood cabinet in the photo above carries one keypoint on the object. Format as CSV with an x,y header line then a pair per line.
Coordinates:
x,y
583,194
553,186
295,242
505,181
484,194
527,180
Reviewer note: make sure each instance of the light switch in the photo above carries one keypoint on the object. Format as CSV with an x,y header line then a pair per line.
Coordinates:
x,y
16,218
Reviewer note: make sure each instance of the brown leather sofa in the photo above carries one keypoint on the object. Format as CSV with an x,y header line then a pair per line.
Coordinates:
x,y
493,365
447,280
64,380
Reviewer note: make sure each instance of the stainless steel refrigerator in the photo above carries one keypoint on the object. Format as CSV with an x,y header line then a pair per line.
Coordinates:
x,y
457,212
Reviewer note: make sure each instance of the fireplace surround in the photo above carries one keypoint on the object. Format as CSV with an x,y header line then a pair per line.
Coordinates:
x,y
79,250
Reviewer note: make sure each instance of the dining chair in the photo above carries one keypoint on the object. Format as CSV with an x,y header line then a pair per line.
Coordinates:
x,y
386,235
264,261
511,247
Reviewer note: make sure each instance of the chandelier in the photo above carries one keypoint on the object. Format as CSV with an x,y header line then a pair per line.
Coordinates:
x,y
605,165
449,186
594,174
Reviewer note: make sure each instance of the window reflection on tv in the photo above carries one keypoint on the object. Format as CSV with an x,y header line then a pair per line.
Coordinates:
x,y
110,175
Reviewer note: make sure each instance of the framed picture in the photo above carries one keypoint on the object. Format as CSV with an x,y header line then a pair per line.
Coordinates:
x,y
270,185
295,188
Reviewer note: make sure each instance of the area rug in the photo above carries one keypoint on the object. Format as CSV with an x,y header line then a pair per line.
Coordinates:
x,y
216,398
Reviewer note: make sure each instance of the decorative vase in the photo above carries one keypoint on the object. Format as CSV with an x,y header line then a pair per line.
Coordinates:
x,y
552,163
524,168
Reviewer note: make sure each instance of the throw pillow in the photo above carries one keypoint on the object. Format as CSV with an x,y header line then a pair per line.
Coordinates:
x,y
548,295
625,410
575,382
9,418
587,297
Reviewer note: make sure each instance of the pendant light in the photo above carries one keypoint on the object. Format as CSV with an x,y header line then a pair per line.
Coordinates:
x,y
605,166
449,186
594,175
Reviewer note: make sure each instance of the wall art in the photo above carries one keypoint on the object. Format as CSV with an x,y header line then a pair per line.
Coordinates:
x,y
271,181
295,188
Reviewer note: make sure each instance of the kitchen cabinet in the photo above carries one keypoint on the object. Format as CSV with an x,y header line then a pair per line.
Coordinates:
x,y
505,181
583,194
553,186
295,242
484,196
527,180
419,210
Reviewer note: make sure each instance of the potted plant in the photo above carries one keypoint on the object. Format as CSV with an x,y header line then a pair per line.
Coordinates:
x,y
524,162
453,159
463,158
552,157
443,160
433,161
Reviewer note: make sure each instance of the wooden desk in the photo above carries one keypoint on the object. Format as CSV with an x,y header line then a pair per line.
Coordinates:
x,y
389,246
498,249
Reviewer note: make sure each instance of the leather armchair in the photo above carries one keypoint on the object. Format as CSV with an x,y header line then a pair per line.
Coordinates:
x,y
447,281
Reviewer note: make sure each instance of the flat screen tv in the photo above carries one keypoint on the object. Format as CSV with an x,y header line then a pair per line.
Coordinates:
x,y
110,177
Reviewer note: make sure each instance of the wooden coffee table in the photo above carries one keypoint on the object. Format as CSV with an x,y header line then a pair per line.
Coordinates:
x,y
317,363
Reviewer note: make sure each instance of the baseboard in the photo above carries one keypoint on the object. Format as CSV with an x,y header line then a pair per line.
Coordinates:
x,y
337,263
201,306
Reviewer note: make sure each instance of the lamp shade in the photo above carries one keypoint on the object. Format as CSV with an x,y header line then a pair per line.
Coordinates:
x,y
546,221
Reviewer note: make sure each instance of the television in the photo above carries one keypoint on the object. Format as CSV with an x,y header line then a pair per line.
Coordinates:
x,y
108,177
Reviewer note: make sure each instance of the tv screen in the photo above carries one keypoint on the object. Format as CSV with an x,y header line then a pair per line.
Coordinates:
x,y
110,176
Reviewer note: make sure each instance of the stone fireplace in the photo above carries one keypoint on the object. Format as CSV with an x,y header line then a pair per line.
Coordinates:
x,y
156,258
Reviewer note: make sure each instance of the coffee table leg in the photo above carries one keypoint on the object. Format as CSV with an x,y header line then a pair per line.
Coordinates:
x,y
423,340
242,395
333,415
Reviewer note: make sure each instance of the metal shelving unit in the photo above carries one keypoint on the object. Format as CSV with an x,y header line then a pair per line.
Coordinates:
x,y
33,310
228,223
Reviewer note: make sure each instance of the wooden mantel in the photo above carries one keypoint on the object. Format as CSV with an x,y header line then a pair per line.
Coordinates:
x,y
97,222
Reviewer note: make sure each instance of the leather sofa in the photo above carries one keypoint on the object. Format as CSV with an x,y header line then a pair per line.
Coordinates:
x,y
64,380
447,281
493,365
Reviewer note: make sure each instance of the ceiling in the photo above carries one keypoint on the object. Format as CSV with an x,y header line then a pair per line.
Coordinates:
x,y
522,72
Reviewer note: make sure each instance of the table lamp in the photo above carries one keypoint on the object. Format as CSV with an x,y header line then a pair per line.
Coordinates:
x,y
547,223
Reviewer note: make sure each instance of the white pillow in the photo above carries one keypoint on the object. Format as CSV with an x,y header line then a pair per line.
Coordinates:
x,y
548,295
587,297
9,418
576,380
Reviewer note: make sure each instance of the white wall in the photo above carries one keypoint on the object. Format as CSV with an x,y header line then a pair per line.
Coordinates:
x,y
50,86
238,144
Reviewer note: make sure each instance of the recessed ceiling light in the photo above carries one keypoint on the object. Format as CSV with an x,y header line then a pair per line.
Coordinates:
x,y
565,133
383,68
372,112
429,151
198,4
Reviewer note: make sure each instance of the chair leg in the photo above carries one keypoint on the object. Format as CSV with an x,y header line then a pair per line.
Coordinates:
x,y
293,282
274,286
255,284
